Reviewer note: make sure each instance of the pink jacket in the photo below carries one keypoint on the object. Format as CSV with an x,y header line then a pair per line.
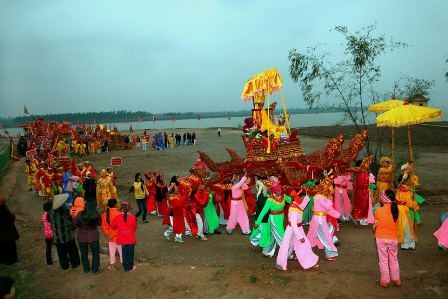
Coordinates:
x,y
48,232
237,189
322,204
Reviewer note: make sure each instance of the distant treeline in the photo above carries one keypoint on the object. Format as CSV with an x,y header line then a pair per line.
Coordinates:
x,y
128,116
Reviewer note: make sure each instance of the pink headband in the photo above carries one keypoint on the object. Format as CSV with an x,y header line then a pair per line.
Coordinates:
x,y
384,198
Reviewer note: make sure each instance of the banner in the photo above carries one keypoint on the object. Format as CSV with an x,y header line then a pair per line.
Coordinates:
x,y
116,161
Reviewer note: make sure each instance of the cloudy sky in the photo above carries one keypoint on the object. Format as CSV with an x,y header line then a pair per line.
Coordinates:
x,y
165,56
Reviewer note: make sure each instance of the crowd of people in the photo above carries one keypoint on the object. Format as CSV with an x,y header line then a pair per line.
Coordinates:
x,y
79,204
165,141
161,141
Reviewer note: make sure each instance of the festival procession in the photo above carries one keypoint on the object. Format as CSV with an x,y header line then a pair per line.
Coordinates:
x,y
289,206
221,149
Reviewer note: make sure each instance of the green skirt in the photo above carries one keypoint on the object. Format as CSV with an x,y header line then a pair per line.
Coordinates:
x,y
415,215
210,216
308,211
265,238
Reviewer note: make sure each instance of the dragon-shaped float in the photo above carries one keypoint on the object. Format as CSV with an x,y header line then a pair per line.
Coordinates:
x,y
272,149
51,141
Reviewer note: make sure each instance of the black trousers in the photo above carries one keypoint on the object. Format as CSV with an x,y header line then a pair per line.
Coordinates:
x,y
84,249
128,257
68,254
8,253
49,246
142,208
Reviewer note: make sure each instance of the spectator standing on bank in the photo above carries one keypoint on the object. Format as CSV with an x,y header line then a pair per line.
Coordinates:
x,y
88,236
8,234
64,233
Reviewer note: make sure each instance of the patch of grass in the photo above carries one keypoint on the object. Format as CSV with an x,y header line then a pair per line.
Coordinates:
x,y
223,291
91,286
217,275
218,265
282,280
253,278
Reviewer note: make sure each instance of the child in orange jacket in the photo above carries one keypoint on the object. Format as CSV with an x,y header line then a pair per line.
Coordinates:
x,y
106,219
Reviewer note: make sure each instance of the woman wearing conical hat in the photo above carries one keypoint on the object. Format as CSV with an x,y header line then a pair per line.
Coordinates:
x,y
385,176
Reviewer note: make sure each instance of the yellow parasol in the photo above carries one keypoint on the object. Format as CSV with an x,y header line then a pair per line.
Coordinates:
x,y
386,106
268,81
407,115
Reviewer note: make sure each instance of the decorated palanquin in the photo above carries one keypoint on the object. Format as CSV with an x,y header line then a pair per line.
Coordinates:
x,y
272,149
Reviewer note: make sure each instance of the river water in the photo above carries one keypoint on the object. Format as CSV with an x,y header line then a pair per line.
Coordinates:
x,y
296,120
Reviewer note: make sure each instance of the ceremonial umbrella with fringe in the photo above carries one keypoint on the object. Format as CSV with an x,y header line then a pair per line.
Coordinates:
x,y
386,106
407,115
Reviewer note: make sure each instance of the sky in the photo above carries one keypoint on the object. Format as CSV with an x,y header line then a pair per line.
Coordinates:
x,y
61,56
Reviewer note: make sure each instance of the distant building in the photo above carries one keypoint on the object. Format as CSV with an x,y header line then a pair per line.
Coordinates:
x,y
419,100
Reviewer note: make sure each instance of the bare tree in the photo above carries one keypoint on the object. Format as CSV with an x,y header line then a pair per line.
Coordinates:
x,y
351,79
408,87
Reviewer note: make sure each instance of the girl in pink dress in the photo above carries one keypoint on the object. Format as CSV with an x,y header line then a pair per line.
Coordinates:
x,y
238,214
295,237
342,202
320,232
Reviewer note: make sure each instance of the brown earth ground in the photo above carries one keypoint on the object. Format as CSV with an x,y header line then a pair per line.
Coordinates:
x,y
226,266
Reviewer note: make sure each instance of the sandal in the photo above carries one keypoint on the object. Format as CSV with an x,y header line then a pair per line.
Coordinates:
x,y
382,284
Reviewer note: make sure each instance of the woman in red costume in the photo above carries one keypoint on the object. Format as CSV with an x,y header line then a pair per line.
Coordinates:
x,y
250,198
221,199
178,192
194,208
161,191
150,184
361,189
201,198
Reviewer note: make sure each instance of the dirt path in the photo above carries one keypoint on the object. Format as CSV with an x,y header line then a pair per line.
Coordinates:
x,y
223,267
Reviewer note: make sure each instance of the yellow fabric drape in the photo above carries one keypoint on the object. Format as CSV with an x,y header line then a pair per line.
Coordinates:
x,y
268,81
267,125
